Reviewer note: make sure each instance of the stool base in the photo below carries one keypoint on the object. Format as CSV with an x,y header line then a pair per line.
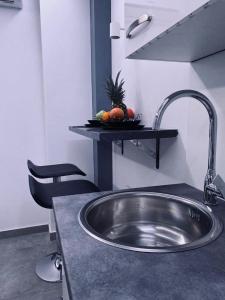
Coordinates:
x,y
49,268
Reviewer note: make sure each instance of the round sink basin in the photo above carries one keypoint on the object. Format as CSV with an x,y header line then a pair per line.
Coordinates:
x,y
150,222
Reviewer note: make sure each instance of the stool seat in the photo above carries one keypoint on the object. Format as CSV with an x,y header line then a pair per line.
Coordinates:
x,y
44,192
51,171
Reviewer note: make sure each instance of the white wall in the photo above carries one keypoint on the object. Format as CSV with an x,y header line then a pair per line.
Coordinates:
x,y
21,113
45,80
147,84
65,27
207,76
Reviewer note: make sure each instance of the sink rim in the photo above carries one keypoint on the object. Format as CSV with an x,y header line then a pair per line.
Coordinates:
x,y
212,235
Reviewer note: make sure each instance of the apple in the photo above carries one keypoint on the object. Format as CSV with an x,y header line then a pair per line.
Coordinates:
x,y
130,113
116,114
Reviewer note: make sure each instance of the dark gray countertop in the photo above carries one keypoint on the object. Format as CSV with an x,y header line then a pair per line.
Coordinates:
x,y
96,271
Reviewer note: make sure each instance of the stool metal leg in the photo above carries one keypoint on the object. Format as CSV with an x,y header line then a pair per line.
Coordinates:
x,y
57,179
49,268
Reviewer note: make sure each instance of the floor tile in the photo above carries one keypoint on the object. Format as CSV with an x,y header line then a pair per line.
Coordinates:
x,y
18,259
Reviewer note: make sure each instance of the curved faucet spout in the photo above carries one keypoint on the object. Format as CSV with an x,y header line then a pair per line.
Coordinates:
x,y
211,173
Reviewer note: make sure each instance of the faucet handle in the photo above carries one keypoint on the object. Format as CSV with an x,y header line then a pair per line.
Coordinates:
x,y
220,185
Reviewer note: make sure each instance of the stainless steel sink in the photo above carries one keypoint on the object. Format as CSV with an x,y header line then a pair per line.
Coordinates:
x,y
150,222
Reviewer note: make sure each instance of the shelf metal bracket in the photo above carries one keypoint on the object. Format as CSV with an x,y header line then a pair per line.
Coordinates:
x,y
157,150
137,143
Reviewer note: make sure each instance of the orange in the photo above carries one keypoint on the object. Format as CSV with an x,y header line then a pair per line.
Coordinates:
x,y
105,116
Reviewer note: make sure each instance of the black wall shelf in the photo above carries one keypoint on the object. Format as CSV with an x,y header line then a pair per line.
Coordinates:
x,y
100,134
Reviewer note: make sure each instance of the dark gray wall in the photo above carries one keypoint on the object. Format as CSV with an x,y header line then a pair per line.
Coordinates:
x,y
101,52
101,69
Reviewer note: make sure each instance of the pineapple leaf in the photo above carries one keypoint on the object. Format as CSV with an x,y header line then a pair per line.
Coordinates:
x,y
117,78
121,84
115,90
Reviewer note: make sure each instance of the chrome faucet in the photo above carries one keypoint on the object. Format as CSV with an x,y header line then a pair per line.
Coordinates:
x,y
214,186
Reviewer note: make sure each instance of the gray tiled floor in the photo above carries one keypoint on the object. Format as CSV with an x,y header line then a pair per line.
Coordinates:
x,y
18,256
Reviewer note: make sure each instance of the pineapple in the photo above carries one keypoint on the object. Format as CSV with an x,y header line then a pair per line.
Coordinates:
x,y
116,93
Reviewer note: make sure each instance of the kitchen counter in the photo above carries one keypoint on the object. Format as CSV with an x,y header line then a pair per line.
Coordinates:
x,y
96,271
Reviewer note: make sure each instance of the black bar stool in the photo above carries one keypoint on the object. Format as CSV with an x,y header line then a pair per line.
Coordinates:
x,y
49,267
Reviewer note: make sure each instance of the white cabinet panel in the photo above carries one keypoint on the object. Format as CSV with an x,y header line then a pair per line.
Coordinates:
x,y
165,13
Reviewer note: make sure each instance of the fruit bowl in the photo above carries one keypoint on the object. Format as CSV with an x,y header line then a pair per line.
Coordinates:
x,y
94,123
124,124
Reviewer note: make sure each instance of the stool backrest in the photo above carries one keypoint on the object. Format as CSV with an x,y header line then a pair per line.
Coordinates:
x,y
40,193
32,168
